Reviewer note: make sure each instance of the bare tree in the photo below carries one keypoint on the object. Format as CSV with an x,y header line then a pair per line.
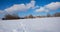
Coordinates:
x,y
30,16
57,14
10,17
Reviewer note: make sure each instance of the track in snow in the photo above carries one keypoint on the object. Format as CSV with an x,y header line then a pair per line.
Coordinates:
x,y
31,25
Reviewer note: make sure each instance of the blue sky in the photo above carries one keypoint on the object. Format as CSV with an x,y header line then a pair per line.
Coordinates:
x,y
27,7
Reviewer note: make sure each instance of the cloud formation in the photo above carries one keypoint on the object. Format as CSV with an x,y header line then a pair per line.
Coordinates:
x,y
42,9
24,7
49,7
21,7
53,5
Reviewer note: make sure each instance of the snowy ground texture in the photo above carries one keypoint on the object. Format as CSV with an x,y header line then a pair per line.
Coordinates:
x,y
31,25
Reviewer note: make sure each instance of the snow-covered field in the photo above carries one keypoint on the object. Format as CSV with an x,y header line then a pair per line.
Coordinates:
x,y
31,25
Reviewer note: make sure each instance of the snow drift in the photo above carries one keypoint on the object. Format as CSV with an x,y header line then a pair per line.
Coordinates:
x,y
31,25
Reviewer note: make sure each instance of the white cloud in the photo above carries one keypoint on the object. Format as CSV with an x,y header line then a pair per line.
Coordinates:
x,y
31,4
51,6
41,9
16,7
21,7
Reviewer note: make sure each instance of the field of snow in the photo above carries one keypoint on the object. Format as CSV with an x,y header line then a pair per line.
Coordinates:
x,y
31,25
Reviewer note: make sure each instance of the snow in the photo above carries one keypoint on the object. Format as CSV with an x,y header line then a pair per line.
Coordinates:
x,y
31,25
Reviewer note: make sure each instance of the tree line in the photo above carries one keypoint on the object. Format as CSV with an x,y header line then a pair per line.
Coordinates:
x,y
11,17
